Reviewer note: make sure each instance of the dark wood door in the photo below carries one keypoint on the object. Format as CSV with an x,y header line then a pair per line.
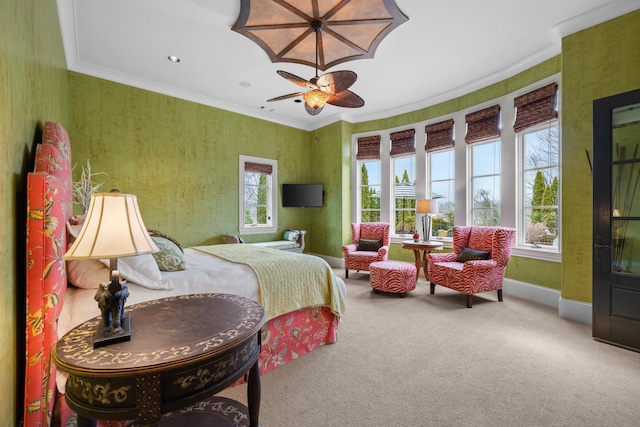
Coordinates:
x,y
616,220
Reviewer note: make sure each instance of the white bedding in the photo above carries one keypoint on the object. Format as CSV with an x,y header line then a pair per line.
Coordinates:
x,y
204,273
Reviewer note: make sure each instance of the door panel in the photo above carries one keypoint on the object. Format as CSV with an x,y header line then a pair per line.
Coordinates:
x,y
616,220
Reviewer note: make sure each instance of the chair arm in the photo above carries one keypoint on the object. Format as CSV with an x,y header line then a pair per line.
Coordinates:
x,y
301,239
443,257
347,249
382,252
485,264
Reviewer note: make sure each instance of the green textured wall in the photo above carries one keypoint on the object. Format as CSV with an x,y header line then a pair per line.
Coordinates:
x,y
601,61
33,89
329,155
180,158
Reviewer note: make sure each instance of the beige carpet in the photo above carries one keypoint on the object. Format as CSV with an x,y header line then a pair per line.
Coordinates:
x,y
427,360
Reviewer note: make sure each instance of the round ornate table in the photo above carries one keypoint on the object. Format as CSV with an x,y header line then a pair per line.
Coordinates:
x,y
421,259
182,350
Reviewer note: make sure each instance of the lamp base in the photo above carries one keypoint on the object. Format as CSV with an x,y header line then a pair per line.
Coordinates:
x,y
103,337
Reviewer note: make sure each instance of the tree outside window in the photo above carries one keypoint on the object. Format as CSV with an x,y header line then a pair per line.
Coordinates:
x,y
540,148
370,191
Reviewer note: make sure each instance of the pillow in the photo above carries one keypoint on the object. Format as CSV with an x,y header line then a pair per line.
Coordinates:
x,y
369,245
141,269
87,273
170,256
467,254
292,235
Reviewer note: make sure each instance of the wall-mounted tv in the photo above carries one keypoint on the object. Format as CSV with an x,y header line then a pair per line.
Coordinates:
x,y
302,195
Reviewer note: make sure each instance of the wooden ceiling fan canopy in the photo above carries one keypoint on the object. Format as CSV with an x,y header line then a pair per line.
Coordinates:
x,y
286,29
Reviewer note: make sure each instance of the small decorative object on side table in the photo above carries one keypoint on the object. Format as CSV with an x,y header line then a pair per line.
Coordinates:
x,y
186,348
421,259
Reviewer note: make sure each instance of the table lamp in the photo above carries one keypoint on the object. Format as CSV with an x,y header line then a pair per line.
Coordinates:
x,y
113,228
427,207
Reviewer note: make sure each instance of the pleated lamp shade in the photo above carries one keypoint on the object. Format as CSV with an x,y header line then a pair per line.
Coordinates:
x,y
113,228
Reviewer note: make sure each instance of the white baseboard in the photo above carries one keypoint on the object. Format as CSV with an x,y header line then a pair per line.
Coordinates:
x,y
570,309
332,261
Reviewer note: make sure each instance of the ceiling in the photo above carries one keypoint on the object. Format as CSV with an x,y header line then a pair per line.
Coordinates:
x,y
445,49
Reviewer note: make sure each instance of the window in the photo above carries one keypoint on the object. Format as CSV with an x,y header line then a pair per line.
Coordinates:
x,y
502,175
370,191
540,168
485,183
258,195
483,133
369,179
536,127
442,180
404,193
439,146
403,150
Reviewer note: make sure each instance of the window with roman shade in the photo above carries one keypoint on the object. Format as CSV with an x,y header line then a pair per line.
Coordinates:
x,y
262,168
258,195
403,150
403,143
368,148
535,107
369,177
538,139
439,136
483,125
441,174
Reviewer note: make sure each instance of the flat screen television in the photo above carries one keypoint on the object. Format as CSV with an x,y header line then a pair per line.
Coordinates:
x,y
302,195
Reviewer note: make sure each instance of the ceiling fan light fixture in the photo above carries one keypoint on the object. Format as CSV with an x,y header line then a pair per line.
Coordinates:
x,y
316,98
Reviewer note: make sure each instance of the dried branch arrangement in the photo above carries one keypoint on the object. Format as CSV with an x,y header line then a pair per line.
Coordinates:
x,y
83,189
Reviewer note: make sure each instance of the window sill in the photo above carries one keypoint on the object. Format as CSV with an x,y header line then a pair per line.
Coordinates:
x,y
541,254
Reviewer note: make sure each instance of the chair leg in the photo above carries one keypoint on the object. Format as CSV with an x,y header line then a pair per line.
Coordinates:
x,y
499,294
346,273
433,288
469,297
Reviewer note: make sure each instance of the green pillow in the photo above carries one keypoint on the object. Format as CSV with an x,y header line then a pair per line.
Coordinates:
x,y
170,256
467,254
369,245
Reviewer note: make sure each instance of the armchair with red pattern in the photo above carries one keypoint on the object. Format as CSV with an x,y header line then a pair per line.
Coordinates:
x,y
477,263
369,243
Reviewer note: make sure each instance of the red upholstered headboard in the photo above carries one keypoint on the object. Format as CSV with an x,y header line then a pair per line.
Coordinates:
x,y
49,206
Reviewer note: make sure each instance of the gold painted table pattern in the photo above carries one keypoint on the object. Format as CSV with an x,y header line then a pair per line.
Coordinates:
x,y
182,350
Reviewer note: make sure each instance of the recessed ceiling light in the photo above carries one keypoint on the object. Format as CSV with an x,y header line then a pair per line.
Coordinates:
x,y
173,58
245,84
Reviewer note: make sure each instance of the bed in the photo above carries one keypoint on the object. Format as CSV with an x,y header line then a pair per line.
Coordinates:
x,y
303,308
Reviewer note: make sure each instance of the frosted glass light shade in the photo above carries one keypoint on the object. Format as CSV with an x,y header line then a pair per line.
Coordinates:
x,y
113,228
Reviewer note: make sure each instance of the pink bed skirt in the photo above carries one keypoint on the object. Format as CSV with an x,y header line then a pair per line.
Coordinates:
x,y
284,339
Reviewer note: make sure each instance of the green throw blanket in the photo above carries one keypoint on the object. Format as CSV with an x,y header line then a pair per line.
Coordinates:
x,y
287,281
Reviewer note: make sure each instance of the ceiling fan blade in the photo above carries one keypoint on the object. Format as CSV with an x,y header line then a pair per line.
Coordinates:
x,y
311,110
346,99
297,80
337,81
291,95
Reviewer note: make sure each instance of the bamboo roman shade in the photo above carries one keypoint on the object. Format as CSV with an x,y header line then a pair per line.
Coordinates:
x,y
368,148
258,168
483,125
535,107
403,143
439,136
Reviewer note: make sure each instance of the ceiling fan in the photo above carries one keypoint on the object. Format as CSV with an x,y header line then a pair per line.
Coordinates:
x,y
331,88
